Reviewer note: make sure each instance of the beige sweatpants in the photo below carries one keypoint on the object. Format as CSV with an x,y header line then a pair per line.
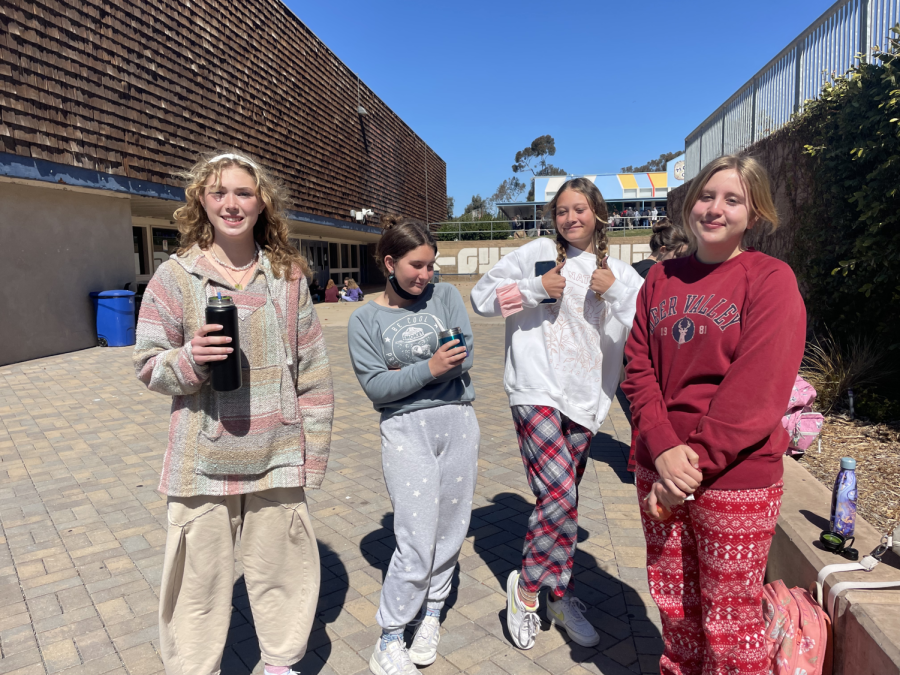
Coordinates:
x,y
281,570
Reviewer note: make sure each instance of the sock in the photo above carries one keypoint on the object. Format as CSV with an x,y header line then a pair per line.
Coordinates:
x,y
277,670
528,599
434,609
387,637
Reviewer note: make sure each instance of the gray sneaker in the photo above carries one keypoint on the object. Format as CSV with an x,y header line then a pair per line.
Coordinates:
x,y
568,612
392,660
522,623
423,650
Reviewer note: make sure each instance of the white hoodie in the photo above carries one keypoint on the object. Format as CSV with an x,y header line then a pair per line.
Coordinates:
x,y
567,355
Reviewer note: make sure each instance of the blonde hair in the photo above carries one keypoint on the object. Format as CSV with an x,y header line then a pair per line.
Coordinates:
x,y
351,283
271,229
601,216
755,180
330,284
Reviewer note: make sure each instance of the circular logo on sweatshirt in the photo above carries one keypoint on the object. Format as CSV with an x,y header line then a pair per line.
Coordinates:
x,y
683,330
411,339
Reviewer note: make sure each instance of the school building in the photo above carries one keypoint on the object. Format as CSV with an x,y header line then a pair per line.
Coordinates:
x,y
620,190
104,102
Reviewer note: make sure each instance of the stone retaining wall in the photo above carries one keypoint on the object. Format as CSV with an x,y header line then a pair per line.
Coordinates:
x,y
471,259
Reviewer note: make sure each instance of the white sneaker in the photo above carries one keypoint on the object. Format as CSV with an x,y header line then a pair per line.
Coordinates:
x,y
568,612
523,624
423,650
393,660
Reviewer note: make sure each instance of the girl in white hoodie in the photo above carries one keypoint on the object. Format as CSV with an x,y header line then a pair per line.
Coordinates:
x,y
565,336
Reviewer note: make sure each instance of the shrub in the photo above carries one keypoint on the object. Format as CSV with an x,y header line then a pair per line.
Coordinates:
x,y
833,368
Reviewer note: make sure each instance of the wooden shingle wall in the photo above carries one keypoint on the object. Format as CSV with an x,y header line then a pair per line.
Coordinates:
x,y
139,87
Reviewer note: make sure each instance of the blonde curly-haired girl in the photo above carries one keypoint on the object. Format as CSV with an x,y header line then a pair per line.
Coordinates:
x,y
237,461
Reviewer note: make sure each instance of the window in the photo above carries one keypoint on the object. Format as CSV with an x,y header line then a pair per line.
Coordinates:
x,y
354,256
165,242
333,255
140,260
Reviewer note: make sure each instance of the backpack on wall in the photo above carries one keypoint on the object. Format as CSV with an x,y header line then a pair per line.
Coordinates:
x,y
802,424
798,632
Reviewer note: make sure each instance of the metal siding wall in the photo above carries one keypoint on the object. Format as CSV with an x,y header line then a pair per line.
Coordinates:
x,y
826,50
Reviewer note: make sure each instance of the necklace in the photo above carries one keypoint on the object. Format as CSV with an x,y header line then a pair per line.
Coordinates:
x,y
238,286
232,267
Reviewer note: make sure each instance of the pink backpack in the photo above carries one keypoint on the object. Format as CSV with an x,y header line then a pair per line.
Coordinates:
x,y
802,424
798,632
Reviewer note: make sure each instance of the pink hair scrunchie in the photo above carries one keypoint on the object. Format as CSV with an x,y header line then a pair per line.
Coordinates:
x,y
510,300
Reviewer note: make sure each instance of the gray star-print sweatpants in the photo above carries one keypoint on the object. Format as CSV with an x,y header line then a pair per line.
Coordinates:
x,y
430,463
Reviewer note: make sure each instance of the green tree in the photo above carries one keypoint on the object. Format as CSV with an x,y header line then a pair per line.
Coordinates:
x,y
508,190
450,207
658,164
477,206
534,157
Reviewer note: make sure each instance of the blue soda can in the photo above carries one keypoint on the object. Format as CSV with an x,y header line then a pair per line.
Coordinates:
x,y
843,499
452,334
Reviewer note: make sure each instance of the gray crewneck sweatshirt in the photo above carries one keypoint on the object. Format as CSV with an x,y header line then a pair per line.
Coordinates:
x,y
390,349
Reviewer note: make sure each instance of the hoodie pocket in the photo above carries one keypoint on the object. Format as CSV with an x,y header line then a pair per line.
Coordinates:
x,y
251,435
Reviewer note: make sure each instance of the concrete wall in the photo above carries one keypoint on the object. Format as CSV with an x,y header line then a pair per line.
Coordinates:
x,y
58,246
474,258
866,622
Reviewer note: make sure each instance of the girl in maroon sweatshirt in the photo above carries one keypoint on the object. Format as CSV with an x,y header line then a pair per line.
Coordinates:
x,y
716,345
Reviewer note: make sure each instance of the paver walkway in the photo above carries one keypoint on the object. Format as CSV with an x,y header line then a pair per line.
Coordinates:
x,y
82,531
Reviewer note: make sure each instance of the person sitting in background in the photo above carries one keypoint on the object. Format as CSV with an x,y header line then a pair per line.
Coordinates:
x,y
315,290
668,241
531,228
351,291
331,291
517,228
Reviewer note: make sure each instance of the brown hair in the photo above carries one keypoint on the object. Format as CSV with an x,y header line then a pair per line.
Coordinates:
x,y
668,234
753,177
330,284
271,229
601,215
400,236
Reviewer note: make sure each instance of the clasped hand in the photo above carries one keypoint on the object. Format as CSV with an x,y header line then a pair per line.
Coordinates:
x,y
680,476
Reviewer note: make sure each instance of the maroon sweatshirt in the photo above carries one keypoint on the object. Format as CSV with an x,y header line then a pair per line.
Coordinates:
x,y
712,359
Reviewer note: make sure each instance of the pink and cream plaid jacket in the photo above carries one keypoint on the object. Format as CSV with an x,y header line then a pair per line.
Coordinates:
x,y
275,431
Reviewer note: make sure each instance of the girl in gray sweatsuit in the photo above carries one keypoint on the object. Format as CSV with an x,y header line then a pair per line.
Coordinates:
x,y
429,436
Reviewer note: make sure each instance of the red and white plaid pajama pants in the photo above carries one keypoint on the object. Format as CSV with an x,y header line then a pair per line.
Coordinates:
x,y
706,565
555,451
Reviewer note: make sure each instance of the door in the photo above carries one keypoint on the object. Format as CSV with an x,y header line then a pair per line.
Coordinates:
x,y
316,253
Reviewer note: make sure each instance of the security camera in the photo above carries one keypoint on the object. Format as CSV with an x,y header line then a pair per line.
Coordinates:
x,y
359,215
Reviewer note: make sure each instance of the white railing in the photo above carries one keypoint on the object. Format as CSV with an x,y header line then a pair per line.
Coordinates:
x,y
504,229
825,50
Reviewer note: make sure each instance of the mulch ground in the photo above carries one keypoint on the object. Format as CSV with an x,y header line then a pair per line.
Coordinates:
x,y
876,449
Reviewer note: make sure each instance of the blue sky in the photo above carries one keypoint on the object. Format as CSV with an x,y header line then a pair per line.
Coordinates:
x,y
615,83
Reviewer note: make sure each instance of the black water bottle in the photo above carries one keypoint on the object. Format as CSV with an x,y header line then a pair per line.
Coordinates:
x,y
226,374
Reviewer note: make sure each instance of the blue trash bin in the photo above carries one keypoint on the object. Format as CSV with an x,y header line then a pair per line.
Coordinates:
x,y
115,317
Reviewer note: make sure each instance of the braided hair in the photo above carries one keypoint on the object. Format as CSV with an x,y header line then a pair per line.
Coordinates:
x,y
601,215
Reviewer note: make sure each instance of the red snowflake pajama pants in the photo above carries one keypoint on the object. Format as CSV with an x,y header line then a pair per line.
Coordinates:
x,y
555,451
706,565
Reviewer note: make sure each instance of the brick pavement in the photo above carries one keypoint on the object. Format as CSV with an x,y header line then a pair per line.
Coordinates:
x,y
82,531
